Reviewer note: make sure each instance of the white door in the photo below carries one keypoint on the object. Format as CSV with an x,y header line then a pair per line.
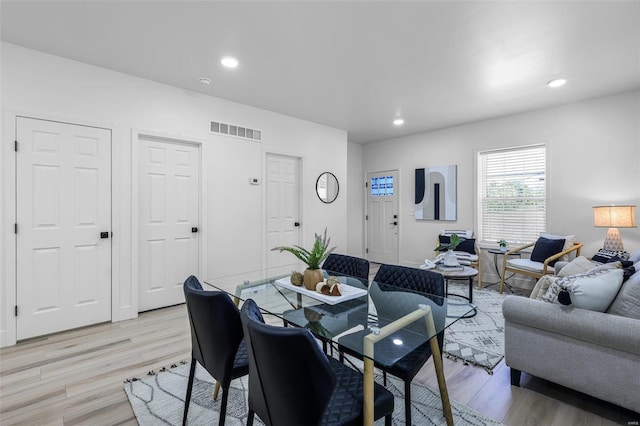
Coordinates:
x,y
382,217
283,210
168,215
63,206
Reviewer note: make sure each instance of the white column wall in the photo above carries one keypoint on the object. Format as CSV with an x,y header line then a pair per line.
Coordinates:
x,y
356,201
53,87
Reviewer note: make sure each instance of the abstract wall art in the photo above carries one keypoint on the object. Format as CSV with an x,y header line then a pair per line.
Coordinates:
x,y
436,193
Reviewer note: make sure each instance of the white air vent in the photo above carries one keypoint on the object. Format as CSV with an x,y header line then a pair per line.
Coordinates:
x,y
235,131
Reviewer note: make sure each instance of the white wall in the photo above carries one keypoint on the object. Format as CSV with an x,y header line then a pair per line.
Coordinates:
x,y
355,202
54,87
593,157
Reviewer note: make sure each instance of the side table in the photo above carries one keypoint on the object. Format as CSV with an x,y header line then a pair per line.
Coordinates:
x,y
495,254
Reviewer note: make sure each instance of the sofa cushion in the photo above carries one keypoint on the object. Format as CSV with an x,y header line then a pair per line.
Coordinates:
x,y
635,256
526,264
593,291
542,286
559,284
605,266
578,265
545,248
612,331
627,302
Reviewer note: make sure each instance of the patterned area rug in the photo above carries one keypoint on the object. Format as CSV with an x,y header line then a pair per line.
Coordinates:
x,y
478,340
159,399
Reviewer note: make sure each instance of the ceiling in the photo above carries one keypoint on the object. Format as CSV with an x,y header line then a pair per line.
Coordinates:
x,y
353,65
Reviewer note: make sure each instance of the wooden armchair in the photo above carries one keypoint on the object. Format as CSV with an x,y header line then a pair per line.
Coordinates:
x,y
533,268
469,246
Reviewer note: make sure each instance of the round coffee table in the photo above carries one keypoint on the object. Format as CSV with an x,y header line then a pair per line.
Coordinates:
x,y
467,273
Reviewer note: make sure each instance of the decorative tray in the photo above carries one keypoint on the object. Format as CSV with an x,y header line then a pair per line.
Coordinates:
x,y
348,292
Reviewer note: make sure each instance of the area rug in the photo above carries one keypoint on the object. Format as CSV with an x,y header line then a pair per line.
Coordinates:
x,y
158,399
478,340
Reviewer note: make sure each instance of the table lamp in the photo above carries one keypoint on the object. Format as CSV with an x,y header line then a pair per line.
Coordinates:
x,y
614,217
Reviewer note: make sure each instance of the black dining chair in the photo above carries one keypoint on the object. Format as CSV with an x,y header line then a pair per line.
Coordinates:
x,y
347,265
217,342
292,382
398,278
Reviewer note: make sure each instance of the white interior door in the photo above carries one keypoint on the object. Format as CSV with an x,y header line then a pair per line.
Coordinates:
x,y
63,206
382,217
168,214
283,208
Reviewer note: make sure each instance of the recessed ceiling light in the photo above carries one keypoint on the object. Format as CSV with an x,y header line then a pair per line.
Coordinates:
x,y
398,121
205,81
557,82
397,342
229,62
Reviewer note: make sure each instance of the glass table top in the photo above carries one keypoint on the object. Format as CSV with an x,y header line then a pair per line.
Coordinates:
x,y
348,322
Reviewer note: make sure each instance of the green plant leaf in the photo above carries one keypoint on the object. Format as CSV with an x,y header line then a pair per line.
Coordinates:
x,y
312,258
454,241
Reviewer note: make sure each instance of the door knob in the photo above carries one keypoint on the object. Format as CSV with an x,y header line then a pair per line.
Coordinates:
x,y
296,223
104,235
194,229
393,223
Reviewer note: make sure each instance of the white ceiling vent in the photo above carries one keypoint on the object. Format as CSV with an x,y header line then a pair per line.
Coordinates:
x,y
235,131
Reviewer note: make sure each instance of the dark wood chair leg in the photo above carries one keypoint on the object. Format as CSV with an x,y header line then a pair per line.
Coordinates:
x,y
187,398
223,406
250,418
387,420
515,377
407,402
384,378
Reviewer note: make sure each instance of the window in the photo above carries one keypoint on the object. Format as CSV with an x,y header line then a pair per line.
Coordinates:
x,y
381,186
512,194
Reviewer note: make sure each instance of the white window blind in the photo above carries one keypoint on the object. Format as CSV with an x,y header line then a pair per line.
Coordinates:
x,y
512,194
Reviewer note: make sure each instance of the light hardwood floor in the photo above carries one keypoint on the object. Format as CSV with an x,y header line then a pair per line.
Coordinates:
x,y
76,377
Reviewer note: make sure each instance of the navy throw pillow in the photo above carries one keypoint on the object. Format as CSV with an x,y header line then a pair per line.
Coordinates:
x,y
606,256
468,245
545,248
628,272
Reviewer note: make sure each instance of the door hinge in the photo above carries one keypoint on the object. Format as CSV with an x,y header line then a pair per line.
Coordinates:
x,y
366,250
366,217
366,184
15,146
15,228
16,310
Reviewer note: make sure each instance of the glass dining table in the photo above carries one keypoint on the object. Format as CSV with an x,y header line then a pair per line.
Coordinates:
x,y
378,322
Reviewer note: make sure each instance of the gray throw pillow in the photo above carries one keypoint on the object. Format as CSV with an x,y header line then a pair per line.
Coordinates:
x,y
627,302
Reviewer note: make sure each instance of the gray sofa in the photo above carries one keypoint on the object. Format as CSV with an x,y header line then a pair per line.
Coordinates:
x,y
592,352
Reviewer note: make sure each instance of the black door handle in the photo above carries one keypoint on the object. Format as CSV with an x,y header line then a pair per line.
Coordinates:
x,y
296,223
104,235
194,229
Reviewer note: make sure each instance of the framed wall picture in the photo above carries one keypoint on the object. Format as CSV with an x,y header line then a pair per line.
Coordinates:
x,y
436,193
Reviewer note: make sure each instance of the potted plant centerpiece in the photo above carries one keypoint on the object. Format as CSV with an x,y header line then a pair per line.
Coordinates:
x,y
449,256
503,245
312,258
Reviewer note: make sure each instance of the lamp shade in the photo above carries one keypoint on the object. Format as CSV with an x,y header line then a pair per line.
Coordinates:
x,y
614,216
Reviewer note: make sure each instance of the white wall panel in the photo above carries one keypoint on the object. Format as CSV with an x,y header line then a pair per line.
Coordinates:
x,y
55,87
593,158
